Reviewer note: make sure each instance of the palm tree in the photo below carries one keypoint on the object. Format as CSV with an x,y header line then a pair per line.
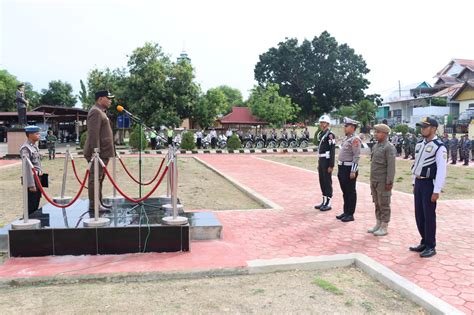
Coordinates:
x,y
365,112
344,111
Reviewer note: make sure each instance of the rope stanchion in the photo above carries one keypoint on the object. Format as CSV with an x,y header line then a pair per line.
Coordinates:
x,y
136,180
38,182
75,172
127,197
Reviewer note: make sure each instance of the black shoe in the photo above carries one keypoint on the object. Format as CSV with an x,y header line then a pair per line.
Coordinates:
x,y
347,218
428,252
319,206
418,248
340,216
325,208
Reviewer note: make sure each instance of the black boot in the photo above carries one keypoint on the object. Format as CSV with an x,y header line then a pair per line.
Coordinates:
x,y
327,205
322,203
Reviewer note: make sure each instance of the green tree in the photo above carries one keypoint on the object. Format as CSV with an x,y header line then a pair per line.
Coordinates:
x,y
208,107
158,90
233,97
134,140
83,95
365,112
187,142
319,75
113,80
266,103
8,83
402,128
233,143
344,111
58,93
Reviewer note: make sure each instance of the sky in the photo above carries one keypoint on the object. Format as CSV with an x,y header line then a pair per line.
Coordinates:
x,y
406,41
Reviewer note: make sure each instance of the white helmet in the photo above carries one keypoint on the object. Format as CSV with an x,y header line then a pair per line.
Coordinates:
x,y
325,118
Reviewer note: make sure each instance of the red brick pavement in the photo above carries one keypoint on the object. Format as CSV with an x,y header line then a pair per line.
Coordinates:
x,y
299,230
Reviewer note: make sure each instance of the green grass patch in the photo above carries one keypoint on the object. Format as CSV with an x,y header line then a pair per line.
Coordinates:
x,y
257,291
399,179
369,307
327,286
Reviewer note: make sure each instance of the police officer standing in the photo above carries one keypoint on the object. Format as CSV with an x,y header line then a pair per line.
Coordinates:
x,y
446,144
30,150
21,103
413,142
406,145
453,147
348,167
382,174
429,173
326,154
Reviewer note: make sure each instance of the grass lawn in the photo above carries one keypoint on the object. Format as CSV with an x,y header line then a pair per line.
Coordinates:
x,y
459,180
198,187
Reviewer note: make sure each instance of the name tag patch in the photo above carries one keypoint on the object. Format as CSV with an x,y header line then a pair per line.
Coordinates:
x,y
429,149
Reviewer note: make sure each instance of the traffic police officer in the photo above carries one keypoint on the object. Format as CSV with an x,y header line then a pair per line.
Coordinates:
x,y
326,154
30,150
453,147
429,173
382,174
348,167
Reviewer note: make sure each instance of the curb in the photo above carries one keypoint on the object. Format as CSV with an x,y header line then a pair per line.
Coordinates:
x,y
372,268
267,203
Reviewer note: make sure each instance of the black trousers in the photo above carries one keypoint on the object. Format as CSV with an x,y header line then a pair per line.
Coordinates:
x,y
199,142
33,200
348,187
425,212
153,143
213,142
325,178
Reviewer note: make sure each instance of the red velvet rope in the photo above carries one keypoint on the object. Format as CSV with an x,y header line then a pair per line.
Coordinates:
x,y
137,181
38,182
75,172
129,198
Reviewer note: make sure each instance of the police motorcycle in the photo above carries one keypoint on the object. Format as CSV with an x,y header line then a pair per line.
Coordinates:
x,y
282,142
222,141
248,141
273,141
259,142
293,140
303,141
206,142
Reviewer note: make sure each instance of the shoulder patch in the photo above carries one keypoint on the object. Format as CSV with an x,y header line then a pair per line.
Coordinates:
x,y
331,136
355,142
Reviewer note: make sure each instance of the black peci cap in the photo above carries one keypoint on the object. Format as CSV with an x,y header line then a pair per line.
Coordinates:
x,y
104,93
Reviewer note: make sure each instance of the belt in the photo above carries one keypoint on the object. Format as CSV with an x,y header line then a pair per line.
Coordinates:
x,y
344,163
421,177
326,155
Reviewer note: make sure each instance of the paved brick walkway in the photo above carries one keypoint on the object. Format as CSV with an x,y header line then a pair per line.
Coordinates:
x,y
299,230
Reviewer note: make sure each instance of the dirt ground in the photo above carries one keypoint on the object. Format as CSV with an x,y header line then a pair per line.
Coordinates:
x,y
335,291
198,187
459,180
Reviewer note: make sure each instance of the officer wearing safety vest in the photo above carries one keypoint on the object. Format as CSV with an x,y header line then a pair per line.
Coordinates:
x,y
429,173
326,157
348,169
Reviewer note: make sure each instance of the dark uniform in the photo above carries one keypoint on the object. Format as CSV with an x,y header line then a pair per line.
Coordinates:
x,y
406,145
21,103
466,149
326,158
453,147
429,173
348,162
446,144
31,151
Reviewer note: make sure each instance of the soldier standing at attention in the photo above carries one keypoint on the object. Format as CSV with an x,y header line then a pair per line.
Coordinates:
x,y
460,145
30,150
51,144
446,144
466,149
453,147
348,162
406,145
326,154
382,174
429,173
413,142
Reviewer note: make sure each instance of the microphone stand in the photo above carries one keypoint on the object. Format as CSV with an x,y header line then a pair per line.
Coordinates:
x,y
141,204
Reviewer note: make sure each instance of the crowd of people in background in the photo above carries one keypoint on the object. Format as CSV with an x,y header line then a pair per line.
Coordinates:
x,y
459,149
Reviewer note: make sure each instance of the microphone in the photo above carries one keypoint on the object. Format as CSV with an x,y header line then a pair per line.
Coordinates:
x,y
121,109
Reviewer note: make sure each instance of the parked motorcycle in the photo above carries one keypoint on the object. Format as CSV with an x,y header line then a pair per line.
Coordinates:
x,y
222,142
248,142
